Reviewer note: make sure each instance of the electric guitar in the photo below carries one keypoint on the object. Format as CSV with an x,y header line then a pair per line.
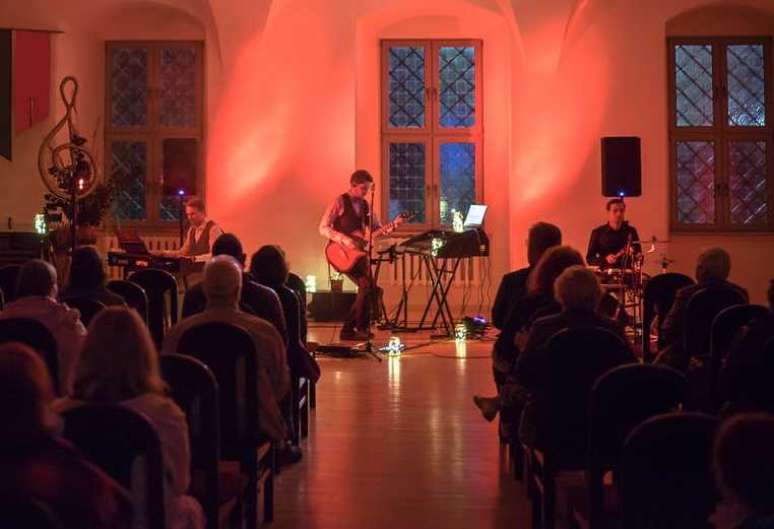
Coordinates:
x,y
343,258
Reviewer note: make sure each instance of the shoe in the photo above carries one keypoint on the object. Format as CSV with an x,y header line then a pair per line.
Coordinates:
x,y
351,335
488,406
289,455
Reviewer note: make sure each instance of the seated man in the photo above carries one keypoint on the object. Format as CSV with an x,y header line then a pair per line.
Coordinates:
x,y
223,286
513,286
712,270
36,294
256,299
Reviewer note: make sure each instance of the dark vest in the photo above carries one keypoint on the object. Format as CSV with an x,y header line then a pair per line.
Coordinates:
x,y
349,221
202,246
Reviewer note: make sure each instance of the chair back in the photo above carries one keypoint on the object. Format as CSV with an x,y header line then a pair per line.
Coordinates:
x,y
8,276
228,351
620,400
658,296
194,388
700,312
134,295
666,477
576,359
158,284
297,285
2,299
750,386
113,437
725,327
88,307
36,335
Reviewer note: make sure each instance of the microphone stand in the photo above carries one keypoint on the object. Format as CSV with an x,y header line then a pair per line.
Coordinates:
x,y
369,345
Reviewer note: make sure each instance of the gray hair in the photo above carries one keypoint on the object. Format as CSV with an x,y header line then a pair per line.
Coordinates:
x,y
578,288
713,264
222,280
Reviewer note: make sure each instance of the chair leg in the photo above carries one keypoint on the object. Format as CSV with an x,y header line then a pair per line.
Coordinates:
x,y
549,502
305,411
517,459
312,394
268,498
251,502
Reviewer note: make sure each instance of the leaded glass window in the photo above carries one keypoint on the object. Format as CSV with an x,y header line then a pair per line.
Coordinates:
x,y
129,67
431,129
128,163
406,87
154,99
719,134
458,179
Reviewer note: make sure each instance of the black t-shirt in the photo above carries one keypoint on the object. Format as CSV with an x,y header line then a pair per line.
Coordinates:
x,y
605,241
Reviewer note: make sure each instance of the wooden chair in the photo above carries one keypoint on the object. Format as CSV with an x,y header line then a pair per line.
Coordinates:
x,y
2,299
750,376
8,276
576,358
666,479
86,306
620,400
195,390
113,437
658,296
27,514
157,285
133,294
36,335
724,329
230,354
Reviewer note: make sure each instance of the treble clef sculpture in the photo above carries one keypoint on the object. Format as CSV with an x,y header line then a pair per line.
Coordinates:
x,y
68,170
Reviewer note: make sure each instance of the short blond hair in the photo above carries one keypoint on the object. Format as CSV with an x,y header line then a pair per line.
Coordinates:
x,y
578,288
119,360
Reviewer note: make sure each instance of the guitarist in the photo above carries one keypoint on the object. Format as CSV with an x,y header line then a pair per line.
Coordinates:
x,y
349,214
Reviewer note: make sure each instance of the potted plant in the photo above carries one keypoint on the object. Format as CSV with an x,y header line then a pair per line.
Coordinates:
x,y
90,212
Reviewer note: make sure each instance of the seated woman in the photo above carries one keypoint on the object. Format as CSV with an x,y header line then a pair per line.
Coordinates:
x,y
126,371
36,465
268,267
539,302
88,278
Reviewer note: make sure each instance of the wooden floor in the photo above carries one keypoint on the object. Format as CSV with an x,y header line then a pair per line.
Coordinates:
x,y
398,444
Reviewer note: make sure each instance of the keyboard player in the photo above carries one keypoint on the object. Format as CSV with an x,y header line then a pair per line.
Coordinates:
x,y
201,234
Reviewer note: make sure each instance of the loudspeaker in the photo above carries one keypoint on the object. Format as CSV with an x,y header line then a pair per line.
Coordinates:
x,y
621,167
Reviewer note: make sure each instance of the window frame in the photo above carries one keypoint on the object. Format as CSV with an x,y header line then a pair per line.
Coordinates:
x,y
154,134
432,134
721,134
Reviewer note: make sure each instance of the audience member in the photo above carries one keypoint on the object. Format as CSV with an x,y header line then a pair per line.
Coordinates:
x,y
222,287
712,271
88,278
126,372
255,299
746,373
744,472
36,298
513,287
36,465
539,301
269,267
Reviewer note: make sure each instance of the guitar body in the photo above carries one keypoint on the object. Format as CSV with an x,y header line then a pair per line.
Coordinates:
x,y
341,258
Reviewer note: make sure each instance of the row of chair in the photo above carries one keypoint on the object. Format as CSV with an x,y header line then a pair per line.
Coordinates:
x,y
590,415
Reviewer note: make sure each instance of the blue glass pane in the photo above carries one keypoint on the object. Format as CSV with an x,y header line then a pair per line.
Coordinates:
x,y
458,87
129,161
746,86
458,179
169,208
407,180
695,182
407,87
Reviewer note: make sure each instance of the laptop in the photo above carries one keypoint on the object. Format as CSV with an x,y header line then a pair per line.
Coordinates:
x,y
475,216
130,242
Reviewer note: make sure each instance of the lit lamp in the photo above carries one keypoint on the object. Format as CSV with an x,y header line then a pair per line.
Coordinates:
x,y
435,244
40,224
457,221
311,283
460,332
394,347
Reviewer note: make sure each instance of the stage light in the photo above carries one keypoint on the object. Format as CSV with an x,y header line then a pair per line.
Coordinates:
x,y
311,283
460,332
181,192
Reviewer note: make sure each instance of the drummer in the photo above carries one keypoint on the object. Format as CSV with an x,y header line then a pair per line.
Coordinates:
x,y
611,242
